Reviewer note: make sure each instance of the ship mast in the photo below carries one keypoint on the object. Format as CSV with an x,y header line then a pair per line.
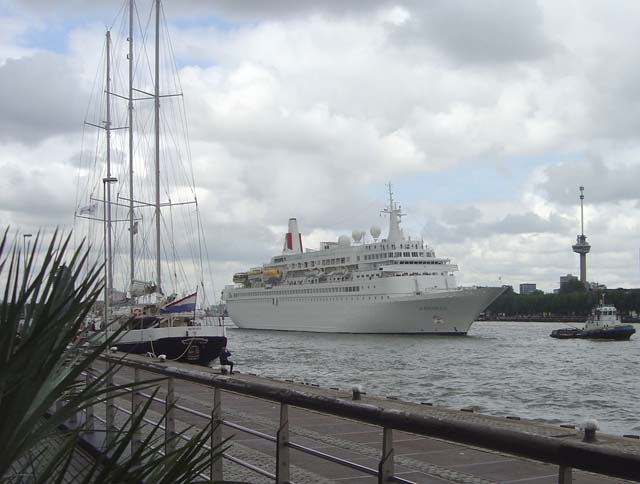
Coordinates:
x,y
107,186
131,214
156,96
395,233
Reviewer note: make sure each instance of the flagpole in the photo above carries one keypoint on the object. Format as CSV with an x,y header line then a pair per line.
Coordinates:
x,y
195,307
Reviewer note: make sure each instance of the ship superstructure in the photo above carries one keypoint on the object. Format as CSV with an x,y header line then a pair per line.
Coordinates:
x,y
391,285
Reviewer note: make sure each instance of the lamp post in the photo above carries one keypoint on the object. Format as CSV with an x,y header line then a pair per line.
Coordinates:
x,y
108,268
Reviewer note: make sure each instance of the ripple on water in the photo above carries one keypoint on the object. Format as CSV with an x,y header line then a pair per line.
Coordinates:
x,y
500,368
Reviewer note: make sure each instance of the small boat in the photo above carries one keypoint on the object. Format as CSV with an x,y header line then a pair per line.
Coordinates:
x,y
271,273
603,323
241,278
565,333
255,274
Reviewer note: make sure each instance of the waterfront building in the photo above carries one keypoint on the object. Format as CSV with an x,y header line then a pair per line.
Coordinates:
x,y
527,288
564,280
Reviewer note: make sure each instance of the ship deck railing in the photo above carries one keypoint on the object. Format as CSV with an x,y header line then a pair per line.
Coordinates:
x,y
566,455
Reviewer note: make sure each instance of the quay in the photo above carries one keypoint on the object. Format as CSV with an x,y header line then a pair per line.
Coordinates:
x,y
299,433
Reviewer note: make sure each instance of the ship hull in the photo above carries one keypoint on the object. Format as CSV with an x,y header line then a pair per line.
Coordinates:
x,y
438,313
197,345
617,333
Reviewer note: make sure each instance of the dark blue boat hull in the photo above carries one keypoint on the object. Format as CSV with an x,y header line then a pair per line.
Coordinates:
x,y
618,333
197,350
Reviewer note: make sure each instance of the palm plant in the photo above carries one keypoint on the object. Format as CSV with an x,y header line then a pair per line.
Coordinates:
x,y
40,370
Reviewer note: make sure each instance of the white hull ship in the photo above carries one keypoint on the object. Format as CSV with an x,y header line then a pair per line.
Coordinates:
x,y
394,285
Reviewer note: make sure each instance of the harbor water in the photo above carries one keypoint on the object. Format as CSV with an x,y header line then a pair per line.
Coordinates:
x,y
500,368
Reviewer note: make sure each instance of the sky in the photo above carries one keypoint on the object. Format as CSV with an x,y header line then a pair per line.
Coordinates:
x,y
485,117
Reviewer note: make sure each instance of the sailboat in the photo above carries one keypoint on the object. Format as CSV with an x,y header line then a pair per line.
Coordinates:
x,y
155,321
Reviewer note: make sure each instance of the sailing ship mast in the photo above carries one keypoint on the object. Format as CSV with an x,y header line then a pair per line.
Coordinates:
x,y
108,171
156,203
156,96
132,272
107,187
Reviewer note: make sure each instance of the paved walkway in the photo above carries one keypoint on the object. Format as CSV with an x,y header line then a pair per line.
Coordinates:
x,y
419,459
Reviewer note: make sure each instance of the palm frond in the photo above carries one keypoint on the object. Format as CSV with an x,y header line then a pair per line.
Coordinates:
x,y
42,382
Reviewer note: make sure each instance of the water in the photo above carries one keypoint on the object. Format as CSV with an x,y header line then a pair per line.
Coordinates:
x,y
500,368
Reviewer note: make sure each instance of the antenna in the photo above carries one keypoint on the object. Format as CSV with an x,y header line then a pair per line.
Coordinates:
x,y
395,217
582,210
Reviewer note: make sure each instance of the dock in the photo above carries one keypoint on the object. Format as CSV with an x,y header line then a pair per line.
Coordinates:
x,y
416,458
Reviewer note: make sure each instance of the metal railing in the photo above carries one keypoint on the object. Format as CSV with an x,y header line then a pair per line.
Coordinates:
x,y
567,455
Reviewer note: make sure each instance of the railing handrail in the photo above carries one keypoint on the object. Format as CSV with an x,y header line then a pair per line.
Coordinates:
x,y
579,455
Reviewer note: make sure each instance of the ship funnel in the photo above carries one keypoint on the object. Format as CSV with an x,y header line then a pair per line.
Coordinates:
x,y
293,238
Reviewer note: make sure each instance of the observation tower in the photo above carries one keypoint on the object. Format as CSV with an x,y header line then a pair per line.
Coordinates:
x,y
581,246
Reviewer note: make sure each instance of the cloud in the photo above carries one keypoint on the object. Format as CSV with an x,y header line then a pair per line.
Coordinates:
x,y
496,31
39,98
34,192
306,109
462,223
604,183
11,30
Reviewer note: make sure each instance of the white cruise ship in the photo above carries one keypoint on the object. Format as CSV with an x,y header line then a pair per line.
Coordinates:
x,y
392,285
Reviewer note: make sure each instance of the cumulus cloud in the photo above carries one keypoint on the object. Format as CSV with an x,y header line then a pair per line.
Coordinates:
x,y
465,223
490,32
39,97
604,183
300,108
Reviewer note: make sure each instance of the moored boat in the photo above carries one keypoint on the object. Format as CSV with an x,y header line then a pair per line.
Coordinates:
x,y
152,317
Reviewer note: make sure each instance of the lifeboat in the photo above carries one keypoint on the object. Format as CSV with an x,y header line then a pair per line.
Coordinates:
x,y
272,273
240,277
311,273
339,272
255,272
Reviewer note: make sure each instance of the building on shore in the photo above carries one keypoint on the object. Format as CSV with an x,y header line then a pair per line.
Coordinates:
x,y
527,288
564,280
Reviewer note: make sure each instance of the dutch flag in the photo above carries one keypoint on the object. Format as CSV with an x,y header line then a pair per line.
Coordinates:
x,y
185,305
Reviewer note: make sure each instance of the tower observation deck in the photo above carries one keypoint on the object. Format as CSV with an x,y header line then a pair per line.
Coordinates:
x,y
581,246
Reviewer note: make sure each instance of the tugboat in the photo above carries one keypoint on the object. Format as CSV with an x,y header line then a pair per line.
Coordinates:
x,y
603,323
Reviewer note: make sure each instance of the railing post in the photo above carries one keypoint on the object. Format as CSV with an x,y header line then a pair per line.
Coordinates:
x,y
111,406
282,446
170,424
564,475
216,436
136,408
385,468
88,416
